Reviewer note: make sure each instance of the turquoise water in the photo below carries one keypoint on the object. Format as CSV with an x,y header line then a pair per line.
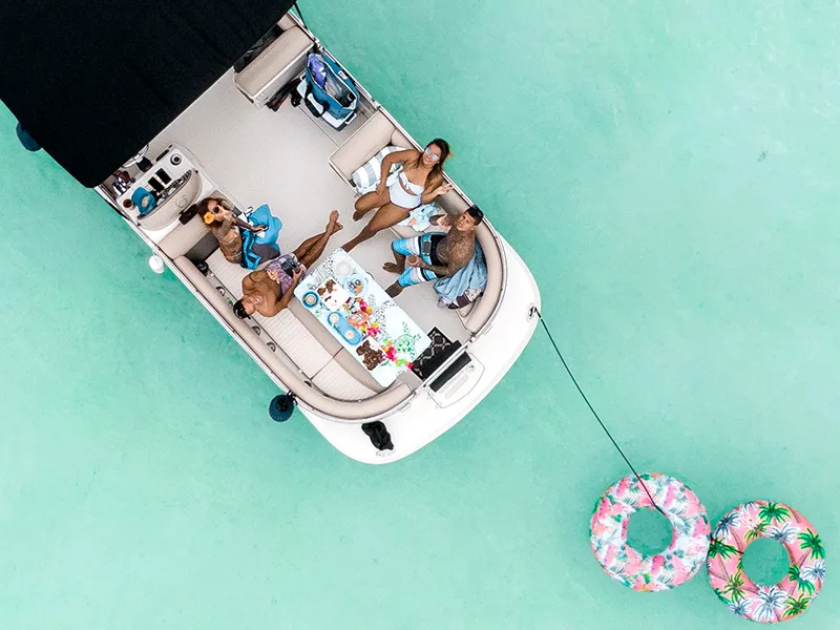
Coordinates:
x,y
667,171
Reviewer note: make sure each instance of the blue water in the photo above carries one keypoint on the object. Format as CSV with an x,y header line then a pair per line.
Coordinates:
x,y
669,174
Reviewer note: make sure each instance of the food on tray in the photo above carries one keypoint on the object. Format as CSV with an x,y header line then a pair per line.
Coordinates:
x,y
359,320
371,354
356,286
327,287
332,294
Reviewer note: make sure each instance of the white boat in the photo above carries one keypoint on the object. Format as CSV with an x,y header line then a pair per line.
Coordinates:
x,y
229,144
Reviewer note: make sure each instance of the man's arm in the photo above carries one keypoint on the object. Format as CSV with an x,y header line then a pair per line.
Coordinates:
x,y
247,226
437,188
441,220
397,157
449,269
284,300
459,258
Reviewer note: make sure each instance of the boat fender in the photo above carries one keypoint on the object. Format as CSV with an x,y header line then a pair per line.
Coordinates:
x,y
282,407
378,434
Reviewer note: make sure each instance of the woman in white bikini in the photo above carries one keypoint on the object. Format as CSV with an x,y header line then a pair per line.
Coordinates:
x,y
418,182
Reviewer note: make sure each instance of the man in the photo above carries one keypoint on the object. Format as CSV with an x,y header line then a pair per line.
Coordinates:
x,y
269,291
433,256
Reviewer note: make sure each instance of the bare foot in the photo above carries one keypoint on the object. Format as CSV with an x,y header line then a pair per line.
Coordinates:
x,y
333,220
357,215
337,227
392,268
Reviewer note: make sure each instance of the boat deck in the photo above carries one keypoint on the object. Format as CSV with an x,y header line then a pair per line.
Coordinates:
x,y
257,156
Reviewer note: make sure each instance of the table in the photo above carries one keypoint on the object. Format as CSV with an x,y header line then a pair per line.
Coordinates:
x,y
366,321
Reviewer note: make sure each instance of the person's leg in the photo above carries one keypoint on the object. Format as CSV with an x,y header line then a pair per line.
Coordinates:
x,y
312,248
304,247
410,277
394,290
387,216
402,248
369,201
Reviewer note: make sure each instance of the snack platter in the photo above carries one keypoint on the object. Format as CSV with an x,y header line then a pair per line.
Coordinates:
x,y
358,312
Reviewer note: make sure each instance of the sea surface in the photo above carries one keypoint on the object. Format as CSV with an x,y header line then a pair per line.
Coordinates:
x,y
668,170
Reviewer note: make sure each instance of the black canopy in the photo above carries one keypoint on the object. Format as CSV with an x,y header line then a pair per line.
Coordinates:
x,y
93,81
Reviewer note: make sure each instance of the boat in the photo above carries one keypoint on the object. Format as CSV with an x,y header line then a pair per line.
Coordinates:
x,y
209,129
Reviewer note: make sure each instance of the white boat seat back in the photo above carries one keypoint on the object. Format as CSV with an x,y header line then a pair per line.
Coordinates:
x,y
275,66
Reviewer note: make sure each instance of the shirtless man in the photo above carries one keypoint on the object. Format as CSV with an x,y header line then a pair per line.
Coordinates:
x,y
270,290
432,256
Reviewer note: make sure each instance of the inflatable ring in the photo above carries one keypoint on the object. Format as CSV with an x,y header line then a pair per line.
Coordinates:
x,y
766,604
689,544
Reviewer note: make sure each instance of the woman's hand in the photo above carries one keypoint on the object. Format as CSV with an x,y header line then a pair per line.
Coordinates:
x,y
258,228
441,190
297,274
381,187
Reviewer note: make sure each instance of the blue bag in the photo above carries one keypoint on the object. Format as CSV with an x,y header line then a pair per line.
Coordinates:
x,y
329,92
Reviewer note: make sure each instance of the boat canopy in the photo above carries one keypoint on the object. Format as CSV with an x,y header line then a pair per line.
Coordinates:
x,y
93,82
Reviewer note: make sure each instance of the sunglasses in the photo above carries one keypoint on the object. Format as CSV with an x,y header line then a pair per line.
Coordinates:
x,y
431,154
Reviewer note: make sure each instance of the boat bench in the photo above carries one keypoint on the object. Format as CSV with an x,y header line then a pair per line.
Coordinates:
x,y
318,357
302,338
283,60
377,133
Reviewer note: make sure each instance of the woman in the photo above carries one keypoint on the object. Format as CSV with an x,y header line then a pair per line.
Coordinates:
x,y
225,227
419,181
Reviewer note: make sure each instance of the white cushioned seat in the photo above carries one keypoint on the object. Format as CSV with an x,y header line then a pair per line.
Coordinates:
x,y
296,341
336,383
327,401
371,138
324,337
229,274
275,66
284,329
358,371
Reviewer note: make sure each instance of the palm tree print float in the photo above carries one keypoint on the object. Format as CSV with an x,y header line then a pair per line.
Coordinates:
x,y
689,546
766,604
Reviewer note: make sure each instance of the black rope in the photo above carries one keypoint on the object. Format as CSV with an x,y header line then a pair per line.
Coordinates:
x,y
592,409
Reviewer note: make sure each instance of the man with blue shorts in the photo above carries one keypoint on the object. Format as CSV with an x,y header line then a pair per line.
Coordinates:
x,y
431,256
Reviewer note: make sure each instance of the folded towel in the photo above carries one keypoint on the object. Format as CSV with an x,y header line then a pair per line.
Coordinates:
x,y
466,285
366,177
420,217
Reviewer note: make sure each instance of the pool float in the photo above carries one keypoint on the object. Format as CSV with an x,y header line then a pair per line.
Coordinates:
x,y
662,571
804,579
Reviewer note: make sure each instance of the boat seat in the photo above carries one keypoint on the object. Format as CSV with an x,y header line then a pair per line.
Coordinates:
x,y
326,401
377,133
302,337
279,63
334,380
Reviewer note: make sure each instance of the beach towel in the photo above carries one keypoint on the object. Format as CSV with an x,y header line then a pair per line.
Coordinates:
x,y
465,286
259,247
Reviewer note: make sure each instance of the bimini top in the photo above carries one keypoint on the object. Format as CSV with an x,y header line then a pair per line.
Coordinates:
x,y
93,82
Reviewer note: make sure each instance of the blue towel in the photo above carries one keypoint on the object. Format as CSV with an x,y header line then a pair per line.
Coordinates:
x,y
257,248
466,285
